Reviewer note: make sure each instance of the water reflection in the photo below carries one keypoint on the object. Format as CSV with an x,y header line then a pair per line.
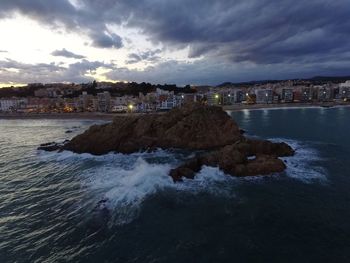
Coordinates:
x,y
246,113
296,123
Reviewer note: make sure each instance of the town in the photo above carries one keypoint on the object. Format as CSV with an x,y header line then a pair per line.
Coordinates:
x,y
121,97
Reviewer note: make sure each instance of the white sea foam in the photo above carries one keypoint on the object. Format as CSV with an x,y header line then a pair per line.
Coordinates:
x,y
68,156
126,189
126,181
211,180
305,164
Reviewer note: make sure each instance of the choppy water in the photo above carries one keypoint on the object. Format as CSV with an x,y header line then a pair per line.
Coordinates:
x,y
50,210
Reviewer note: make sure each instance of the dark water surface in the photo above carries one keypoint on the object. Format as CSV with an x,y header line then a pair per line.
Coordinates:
x,y
50,210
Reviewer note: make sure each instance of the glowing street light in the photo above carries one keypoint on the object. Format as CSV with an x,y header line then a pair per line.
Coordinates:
x,y
216,96
131,107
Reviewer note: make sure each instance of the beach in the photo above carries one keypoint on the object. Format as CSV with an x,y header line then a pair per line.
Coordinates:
x,y
68,116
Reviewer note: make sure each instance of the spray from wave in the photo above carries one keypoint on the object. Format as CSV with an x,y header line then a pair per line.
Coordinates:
x,y
305,164
121,183
125,189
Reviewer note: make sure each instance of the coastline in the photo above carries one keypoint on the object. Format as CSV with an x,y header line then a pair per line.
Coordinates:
x,y
60,116
241,107
110,116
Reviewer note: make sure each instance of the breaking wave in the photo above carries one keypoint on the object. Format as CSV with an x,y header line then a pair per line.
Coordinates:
x,y
124,182
124,189
305,164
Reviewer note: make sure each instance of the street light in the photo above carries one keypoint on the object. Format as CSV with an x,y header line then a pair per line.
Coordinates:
x,y
216,96
131,107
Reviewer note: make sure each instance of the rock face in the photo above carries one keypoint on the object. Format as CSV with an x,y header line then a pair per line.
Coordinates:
x,y
52,146
192,127
244,158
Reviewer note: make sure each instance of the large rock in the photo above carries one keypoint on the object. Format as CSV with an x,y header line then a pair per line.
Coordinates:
x,y
244,158
193,127
52,146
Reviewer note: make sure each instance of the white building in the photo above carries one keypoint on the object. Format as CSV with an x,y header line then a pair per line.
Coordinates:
x,y
344,90
213,98
264,96
121,101
103,101
166,102
12,104
324,94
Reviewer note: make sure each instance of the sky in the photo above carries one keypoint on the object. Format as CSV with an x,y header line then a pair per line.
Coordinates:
x,y
195,42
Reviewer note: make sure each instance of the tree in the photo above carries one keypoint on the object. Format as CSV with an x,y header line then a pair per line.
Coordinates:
x,y
94,84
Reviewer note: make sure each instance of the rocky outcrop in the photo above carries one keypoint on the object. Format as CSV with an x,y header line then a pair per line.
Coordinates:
x,y
192,127
52,146
244,158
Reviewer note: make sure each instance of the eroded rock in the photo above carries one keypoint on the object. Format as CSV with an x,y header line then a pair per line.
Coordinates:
x,y
192,127
244,158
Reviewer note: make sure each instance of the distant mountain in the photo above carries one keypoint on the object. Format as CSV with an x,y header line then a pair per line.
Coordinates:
x,y
313,80
248,83
333,79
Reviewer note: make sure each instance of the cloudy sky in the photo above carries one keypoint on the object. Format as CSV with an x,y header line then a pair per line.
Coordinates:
x,y
172,41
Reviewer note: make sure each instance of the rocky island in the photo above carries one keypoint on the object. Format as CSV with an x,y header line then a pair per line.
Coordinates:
x,y
208,130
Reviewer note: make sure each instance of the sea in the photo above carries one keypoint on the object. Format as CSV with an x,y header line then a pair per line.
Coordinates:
x,y
66,207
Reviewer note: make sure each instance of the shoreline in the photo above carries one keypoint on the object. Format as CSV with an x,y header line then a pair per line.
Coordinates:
x,y
110,116
242,107
60,116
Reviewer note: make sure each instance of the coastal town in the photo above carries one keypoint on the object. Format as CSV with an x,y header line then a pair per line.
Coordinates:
x,y
106,97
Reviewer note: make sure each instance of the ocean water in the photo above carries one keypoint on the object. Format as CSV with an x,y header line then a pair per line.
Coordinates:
x,y
65,207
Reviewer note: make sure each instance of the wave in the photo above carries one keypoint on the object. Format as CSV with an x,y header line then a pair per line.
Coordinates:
x,y
305,164
125,189
123,182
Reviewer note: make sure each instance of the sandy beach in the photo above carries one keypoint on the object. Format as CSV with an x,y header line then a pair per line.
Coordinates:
x,y
80,116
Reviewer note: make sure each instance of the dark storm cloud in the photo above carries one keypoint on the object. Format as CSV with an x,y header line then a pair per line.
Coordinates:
x,y
261,31
106,40
12,64
209,72
287,33
14,71
65,53
148,56
60,13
